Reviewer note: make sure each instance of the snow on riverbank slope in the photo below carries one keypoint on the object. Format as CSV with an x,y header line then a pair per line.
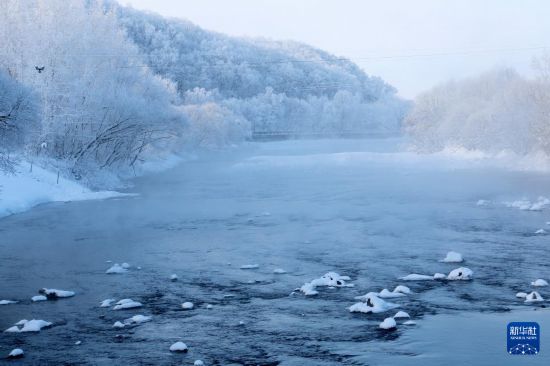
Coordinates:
x,y
25,189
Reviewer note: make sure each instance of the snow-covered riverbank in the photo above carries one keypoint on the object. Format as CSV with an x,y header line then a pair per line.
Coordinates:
x,y
25,189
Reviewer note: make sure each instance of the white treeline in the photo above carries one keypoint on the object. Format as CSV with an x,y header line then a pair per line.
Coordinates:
x,y
90,86
494,112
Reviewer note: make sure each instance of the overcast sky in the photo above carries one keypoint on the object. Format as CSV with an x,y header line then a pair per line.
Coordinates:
x,y
411,44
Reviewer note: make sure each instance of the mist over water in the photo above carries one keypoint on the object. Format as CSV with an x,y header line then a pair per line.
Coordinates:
x,y
363,208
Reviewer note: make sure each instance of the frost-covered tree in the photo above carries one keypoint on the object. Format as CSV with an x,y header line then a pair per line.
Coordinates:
x,y
492,112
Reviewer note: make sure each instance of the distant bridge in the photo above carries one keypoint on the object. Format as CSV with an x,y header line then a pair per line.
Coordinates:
x,y
290,135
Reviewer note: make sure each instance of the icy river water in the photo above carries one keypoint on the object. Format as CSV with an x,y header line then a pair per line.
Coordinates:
x,y
361,208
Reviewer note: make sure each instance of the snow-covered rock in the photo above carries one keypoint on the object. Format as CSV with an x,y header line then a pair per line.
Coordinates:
x,y
39,298
539,283
533,297
461,273
330,279
116,269
173,277
388,323
453,257
410,322
137,319
7,302
187,305
279,271
416,277
521,295
33,325
178,347
16,353
107,303
439,276
127,304
402,289
401,314
372,304
198,363
118,325
250,266
53,294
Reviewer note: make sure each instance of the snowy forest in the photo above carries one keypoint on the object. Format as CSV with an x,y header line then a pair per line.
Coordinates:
x,y
90,86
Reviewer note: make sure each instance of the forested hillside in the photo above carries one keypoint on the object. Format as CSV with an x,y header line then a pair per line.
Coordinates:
x,y
90,86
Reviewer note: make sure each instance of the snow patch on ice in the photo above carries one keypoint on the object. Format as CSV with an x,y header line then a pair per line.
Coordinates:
x,y
26,189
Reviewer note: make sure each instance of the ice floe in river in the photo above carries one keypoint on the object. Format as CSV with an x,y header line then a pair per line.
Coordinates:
x,y
453,257
7,302
39,298
410,322
401,314
198,363
107,303
388,323
173,277
539,283
482,202
127,304
118,324
250,266
16,353
540,232
53,294
279,271
178,347
187,305
330,279
372,304
416,277
521,295
533,297
402,289
439,276
34,325
461,273
527,205
117,269
387,294
137,319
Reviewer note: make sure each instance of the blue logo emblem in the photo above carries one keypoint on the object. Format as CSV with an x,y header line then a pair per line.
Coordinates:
x,y
523,338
